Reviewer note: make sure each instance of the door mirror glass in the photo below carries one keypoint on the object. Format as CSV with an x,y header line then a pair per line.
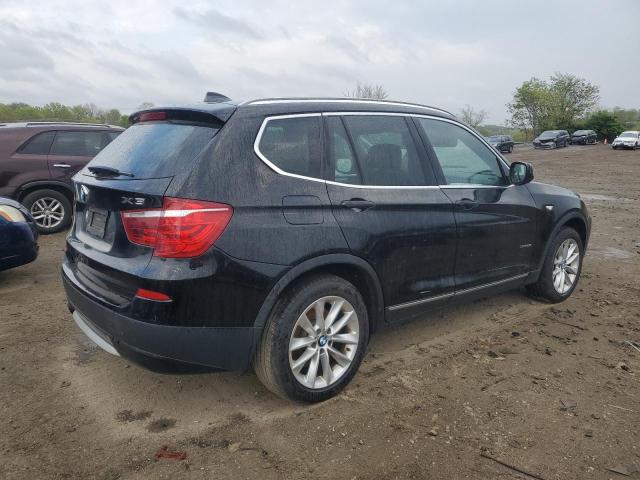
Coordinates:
x,y
520,173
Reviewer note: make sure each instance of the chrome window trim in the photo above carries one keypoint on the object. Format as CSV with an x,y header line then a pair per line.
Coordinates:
x,y
271,165
412,303
278,170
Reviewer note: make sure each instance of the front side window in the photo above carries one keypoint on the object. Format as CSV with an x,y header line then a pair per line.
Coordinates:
x,y
464,159
38,145
385,152
293,145
80,144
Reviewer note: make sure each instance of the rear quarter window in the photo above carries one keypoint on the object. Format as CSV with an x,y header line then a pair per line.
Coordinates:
x,y
292,145
38,144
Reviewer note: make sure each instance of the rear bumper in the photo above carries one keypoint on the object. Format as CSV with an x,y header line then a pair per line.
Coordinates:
x,y
160,347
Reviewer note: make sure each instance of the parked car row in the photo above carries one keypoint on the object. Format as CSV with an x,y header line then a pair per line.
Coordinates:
x,y
547,139
561,138
37,161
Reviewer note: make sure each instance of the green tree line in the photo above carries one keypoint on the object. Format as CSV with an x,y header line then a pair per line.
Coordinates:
x,y
57,112
565,102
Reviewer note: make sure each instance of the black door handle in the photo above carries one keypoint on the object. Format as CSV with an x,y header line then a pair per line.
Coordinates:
x,y
358,204
467,204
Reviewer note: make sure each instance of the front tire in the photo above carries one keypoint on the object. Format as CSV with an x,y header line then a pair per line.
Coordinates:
x,y
51,210
314,340
562,268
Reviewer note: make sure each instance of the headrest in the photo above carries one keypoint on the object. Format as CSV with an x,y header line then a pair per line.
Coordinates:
x,y
385,156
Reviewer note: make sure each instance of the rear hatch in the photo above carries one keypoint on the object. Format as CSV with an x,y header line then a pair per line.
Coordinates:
x,y
120,193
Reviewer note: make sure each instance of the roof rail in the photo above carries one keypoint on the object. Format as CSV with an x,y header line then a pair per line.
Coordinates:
x,y
266,101
80,124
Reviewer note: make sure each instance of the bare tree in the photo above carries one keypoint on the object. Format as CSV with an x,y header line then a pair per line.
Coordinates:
x,y
365,90
473,117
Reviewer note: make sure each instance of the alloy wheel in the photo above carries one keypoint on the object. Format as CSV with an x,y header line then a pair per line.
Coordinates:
x,y
566,264
47,212
323,342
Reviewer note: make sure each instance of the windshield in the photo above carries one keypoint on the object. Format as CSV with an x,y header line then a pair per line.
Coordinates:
x,y
549,134
494,138
155,149
580,132
629,134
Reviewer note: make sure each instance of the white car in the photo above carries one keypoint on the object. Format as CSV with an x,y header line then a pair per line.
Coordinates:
x,y
630,139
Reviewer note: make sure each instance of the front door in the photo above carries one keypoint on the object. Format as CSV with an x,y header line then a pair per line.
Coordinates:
x,y
496,220
385,199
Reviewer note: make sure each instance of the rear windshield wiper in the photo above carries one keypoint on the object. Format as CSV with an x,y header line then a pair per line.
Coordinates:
x,y
108,171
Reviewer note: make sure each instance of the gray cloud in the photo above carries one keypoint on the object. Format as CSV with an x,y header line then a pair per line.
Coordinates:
x,y
216,22
446,54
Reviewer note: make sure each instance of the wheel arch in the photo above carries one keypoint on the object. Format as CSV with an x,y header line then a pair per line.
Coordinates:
x,y
574,219
350,267
30,187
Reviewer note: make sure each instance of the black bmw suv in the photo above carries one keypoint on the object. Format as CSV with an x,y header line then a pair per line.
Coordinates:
x,y
282,233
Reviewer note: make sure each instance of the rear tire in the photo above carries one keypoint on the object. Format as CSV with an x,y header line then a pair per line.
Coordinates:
x,y
51,210
323,372
560,272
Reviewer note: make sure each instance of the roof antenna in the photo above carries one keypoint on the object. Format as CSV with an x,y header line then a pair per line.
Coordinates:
x,y
215,97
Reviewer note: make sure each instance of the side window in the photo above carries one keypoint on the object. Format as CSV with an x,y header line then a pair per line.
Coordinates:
x,y
82,144
111,136
341,161
463,158
293,145
38,145
385,151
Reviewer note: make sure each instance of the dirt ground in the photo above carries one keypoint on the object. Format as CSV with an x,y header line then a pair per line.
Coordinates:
x,y
550,390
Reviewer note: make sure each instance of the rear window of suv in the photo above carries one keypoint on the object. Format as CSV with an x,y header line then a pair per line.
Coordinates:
x,y
156,149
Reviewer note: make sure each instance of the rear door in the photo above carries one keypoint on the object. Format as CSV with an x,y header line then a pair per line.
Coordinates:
x,y
385,198
496,220
72,150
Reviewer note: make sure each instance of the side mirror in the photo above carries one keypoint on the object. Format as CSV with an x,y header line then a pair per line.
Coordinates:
x,y
520,173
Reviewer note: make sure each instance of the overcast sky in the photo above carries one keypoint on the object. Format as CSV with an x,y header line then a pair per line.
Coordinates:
x,y
120,53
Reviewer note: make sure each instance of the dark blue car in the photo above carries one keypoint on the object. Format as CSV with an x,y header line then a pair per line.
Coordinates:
x,y
18,235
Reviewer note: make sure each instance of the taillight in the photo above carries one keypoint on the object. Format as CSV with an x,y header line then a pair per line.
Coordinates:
x,y
182,228
152,295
